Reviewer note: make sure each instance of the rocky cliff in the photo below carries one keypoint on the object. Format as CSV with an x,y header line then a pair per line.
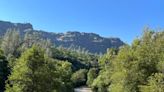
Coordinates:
x,y
90,41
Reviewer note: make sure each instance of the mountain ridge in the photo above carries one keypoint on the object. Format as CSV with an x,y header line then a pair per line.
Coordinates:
x,y
92,42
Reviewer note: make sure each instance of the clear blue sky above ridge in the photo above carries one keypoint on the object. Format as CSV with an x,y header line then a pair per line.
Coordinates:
x,y
110,18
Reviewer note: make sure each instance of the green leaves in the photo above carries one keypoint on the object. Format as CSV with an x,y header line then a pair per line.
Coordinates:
x,y
136,68
10,42
79,78
155,83
92,74
34,72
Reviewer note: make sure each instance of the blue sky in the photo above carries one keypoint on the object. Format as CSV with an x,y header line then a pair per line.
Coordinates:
x,y
110,18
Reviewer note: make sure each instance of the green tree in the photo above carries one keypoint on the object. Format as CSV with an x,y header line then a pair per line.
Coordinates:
x,y
133,65
79,78
35,72
4,71
155,83
92,74
11,42
102,82
64,73
34,38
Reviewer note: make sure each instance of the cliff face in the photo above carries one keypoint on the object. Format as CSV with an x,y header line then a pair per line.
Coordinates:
x,y
90,41
4,26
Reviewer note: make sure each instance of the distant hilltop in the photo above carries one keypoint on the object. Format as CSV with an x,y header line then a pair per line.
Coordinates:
x,y
90,41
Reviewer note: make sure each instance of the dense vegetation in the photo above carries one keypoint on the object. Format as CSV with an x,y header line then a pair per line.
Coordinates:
x,y
34,64
135,68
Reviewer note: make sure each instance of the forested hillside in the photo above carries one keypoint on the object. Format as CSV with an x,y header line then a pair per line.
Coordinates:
x,y
33,64
71,39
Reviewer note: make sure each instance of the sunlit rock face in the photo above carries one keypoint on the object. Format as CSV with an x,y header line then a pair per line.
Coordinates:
x,y
90,41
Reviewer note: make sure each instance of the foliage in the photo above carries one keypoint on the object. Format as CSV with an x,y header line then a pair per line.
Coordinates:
x,y
34,72
33,69
10,42
34,38
31,64
155,83
79,78
92,74
129,69
4,71
78,60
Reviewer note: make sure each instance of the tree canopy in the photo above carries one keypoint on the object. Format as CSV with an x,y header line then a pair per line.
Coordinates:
x,y
33,64
135,68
